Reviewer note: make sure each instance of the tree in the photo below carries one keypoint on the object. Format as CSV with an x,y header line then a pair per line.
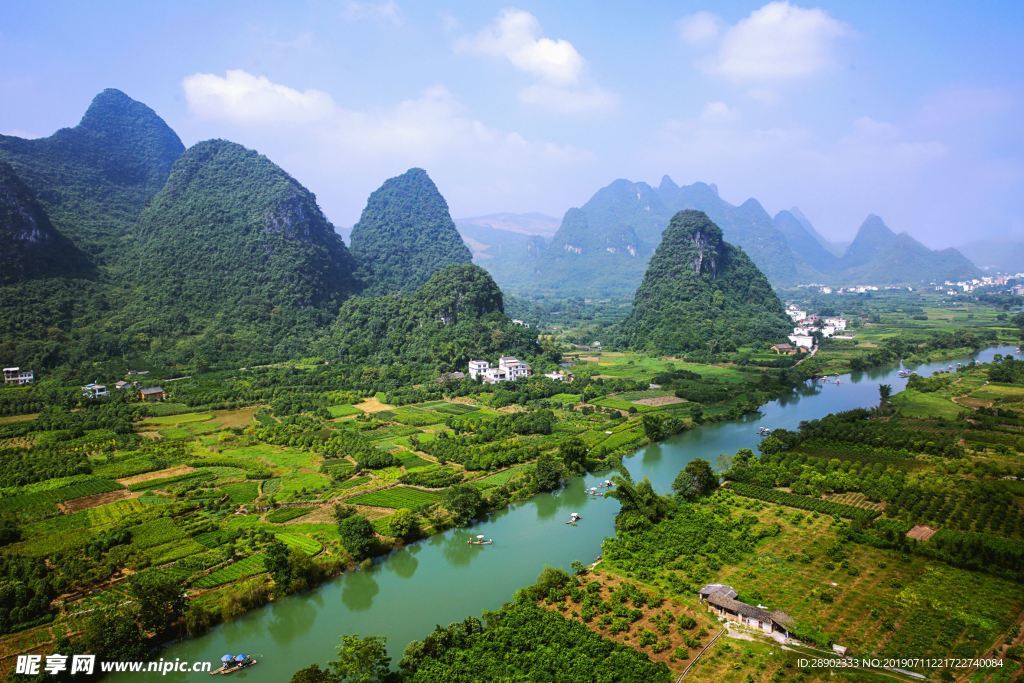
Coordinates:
x,y
574,454
884,393
357,536
160,600
114,634
695,480
362,660
314,674
464,501
549,474
641,505
279,565
404,525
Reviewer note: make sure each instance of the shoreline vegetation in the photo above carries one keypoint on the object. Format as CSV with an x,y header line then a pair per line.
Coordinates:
x,y
250,485
852,574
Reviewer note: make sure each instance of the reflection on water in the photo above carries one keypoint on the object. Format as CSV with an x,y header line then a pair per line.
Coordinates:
x,y
443,579
358,590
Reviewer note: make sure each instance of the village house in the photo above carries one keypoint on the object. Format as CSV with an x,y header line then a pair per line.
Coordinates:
x,y
836,322
509,369
721,600
18,376
94,390
560,376
802,341
783,349
152,394
795,314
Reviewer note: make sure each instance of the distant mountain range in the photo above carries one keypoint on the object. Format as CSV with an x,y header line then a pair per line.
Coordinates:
x,y
601,249
1001,255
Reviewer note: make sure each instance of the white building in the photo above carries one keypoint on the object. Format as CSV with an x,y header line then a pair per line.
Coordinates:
x,y
95,390
839,324
795,314
804,341
18,376
509,369
556,376
477,368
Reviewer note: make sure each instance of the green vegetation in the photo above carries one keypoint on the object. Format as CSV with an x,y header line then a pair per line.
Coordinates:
x,y
700,292
405,235
455,316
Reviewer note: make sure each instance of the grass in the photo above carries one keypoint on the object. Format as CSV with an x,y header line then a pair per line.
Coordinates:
x,y
282,515
911,403
304,543
250,566
498,478
343,410
397,497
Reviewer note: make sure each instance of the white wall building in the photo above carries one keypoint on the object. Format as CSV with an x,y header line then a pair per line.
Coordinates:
x,y
95,390
836,322
18,376
795,314
509,369
804,341
477,368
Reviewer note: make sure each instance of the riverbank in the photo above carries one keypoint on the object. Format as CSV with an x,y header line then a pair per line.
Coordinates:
x,y
442,579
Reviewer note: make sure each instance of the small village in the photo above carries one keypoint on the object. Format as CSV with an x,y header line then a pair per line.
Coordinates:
x,y
808,329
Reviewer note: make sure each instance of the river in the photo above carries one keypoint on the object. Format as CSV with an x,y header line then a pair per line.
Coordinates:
x,y
443,579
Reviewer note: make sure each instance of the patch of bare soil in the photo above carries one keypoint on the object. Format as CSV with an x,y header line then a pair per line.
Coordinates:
x,y
156,474
86,502
660,401
921,533
373,405
239,417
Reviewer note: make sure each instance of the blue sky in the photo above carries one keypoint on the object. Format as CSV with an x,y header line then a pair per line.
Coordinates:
x,y
912,110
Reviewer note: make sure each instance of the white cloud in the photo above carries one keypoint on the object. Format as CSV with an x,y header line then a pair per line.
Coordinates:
x,y
775,43
244,98
568,100
718,111
699,28
517,36
386,12
344,153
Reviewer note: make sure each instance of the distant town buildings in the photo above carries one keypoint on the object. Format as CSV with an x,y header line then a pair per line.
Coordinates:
x,y
18,377
509,369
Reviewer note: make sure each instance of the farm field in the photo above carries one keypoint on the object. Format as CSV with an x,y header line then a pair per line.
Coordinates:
x,y
208,491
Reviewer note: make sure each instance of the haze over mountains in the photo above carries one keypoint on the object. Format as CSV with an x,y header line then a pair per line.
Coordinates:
x,y
602,247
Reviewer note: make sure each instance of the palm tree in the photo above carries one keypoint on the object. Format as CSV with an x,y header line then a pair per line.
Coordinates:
x,y
641,504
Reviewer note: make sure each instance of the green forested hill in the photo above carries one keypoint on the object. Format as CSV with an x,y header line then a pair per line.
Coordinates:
x,y
94,179
29,244
405,235
701,293
456,315
233,252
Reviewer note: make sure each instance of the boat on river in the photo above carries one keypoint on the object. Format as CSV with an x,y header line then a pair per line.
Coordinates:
x,y
230,665
481,540
574,517
764,431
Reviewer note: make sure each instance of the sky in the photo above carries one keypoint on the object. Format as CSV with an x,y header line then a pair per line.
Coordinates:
x,y
911,110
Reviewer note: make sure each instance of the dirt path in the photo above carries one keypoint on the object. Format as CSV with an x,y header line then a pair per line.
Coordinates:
x,y
158,474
